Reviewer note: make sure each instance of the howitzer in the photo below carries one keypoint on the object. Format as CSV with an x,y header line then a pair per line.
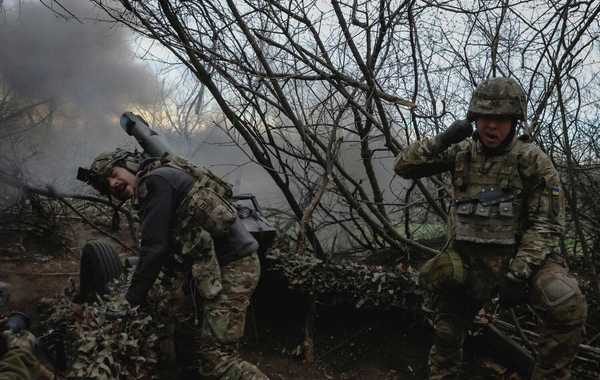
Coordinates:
x,y
155,145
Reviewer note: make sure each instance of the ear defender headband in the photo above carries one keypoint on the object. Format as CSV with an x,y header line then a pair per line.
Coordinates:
x,y
96,174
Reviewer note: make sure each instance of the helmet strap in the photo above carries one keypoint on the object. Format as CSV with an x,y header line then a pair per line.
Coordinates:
x,y
116,221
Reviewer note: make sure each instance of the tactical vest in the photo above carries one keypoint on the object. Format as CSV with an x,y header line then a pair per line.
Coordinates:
x,y
208,200
204,212
487,206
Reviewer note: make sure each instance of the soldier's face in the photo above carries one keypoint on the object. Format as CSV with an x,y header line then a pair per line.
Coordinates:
x,y
121,182
492,130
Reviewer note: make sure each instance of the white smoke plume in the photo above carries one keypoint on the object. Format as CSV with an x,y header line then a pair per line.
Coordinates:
x,y
84,67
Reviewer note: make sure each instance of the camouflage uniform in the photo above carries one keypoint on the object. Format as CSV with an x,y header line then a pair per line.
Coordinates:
x,y
517,233
213,332
19,364
220,272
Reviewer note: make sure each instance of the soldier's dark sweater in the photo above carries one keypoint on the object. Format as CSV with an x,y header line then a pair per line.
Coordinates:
x,y
166,188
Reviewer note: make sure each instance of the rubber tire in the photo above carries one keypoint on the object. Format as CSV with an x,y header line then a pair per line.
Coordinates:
x,y
100,264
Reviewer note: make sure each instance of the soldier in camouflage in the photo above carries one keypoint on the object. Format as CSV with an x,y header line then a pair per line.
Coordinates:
x,y
506,217
219,273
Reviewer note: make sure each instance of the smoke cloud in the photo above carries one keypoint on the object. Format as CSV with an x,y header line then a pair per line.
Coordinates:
x,y
43,56
85,69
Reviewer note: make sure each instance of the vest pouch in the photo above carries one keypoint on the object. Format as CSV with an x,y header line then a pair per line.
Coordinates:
x,y
484,211
505,209
213,212
443,273
465,208
205,177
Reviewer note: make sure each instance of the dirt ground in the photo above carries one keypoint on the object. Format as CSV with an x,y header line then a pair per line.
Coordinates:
x,y
349,343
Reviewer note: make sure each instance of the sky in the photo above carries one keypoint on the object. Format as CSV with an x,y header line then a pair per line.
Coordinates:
x,y
87,67
91,70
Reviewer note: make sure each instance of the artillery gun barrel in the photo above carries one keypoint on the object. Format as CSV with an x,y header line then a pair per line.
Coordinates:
x,y
153,144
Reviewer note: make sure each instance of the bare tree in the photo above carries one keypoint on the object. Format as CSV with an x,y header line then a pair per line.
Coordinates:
x,y
380,73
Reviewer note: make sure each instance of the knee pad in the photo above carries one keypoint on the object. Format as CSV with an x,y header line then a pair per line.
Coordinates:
x,y
447,338
568,314
554,289
564,303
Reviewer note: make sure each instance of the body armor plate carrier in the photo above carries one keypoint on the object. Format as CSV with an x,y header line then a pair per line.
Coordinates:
x,y
487,206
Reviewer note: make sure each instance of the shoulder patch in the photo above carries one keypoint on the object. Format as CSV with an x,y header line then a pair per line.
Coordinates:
x,y
556,201
142,191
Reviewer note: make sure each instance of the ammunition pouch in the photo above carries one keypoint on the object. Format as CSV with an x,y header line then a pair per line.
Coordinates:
x,y
210,210
443,273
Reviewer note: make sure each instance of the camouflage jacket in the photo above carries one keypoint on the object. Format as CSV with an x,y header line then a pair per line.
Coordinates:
x,y
538,207
169,232
19,364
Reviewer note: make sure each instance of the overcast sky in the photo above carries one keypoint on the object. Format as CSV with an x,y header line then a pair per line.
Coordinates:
x,y
88,67
89,64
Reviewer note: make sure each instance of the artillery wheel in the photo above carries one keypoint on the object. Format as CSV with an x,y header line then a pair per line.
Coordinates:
x,y
100,264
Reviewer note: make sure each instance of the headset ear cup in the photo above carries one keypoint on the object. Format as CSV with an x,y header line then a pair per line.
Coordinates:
x,y
132,164
104,162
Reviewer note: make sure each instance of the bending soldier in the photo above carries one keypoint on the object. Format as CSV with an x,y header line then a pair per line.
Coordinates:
x,y
221,266
506,217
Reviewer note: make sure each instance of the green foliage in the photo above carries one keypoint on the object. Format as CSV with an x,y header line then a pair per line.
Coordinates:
x,y
423,230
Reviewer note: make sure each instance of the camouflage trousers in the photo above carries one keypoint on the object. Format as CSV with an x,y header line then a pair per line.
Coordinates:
x,y
554,296
209,330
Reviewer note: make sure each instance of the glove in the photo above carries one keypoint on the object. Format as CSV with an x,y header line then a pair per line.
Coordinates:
x,y
22,339
511,291
457,132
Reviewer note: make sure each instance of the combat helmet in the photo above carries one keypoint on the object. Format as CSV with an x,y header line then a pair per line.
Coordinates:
x,y
498,96
103,163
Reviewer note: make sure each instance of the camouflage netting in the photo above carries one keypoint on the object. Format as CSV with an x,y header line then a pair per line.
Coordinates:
x,y
348,282
107,340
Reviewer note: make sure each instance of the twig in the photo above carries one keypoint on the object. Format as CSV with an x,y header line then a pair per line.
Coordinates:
x,y
593,352
41,274
344,342
69,205
521,334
